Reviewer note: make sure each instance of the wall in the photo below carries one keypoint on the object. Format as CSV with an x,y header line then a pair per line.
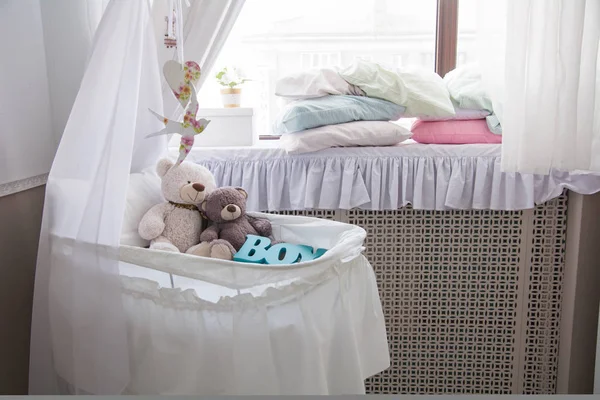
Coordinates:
x,y
27,143
20,221
67,38
27,147
581,296
597,378
44,50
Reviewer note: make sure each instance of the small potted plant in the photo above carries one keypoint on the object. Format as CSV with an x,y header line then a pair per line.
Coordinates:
x,y
231,93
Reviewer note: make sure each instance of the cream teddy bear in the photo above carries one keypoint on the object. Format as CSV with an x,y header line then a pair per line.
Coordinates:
x,y
176,224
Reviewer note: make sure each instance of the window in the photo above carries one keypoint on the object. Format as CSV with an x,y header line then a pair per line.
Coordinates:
x,y
320,60
467,32
273,38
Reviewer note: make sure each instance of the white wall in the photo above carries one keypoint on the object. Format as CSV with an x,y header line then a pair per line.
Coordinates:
x,y
27,144
45,46
69,27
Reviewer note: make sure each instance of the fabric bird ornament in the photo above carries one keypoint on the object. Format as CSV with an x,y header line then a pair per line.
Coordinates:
x,y
182,80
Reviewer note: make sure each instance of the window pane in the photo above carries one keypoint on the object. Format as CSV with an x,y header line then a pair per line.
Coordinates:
x,y
273,38
466,51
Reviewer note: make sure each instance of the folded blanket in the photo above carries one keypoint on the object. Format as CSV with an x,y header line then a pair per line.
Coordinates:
x,y
466,88
494,124
421,91
459,114
331,110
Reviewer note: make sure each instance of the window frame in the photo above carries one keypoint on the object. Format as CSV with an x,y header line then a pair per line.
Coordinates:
x,y
446,36
446,42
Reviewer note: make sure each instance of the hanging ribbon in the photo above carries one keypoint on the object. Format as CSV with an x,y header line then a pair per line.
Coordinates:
x,y
170,21
174,36
179,26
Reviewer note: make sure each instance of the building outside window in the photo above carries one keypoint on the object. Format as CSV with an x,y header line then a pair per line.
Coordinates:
x,y
273,38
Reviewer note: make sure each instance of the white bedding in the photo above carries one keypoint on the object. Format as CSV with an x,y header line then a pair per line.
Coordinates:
x,y
269,150
431,177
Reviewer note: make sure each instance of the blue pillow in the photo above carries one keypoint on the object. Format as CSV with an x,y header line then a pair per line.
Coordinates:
x,y
335,109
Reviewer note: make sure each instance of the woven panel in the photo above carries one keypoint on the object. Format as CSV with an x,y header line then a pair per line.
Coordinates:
x,y
449,283
544,288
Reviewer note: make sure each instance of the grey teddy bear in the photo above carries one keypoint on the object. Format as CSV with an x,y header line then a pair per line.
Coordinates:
x,y
226,209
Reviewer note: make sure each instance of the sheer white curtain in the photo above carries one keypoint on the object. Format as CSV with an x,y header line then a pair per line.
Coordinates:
x,y
78,331
78,328
541,65
491,46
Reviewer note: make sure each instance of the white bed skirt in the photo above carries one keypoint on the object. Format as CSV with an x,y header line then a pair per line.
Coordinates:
x,y
430,177
324,338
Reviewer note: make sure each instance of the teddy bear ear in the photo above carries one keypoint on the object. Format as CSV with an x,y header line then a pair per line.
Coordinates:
x,y
242,191
163,167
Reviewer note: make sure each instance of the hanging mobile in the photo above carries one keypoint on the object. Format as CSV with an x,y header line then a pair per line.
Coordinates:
x,y
170,38
181,79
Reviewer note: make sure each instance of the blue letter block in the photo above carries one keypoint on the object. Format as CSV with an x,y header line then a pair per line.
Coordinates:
x,y
254,250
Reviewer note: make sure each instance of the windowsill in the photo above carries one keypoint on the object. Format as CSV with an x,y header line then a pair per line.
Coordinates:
x,y
268,137
268,143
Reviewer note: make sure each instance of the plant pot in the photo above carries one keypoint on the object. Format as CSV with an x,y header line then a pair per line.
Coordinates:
x,y
231,97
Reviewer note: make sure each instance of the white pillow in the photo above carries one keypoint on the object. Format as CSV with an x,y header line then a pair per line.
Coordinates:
x,y
314,83
142,194
461,114
350,134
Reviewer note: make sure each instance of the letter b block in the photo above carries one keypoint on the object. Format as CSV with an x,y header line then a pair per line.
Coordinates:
x,y
254,250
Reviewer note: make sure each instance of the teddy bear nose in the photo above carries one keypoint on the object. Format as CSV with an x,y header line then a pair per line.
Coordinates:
x,y
231,208
198,187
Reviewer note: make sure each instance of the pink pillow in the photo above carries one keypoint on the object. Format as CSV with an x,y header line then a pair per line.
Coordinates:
x,y
453,132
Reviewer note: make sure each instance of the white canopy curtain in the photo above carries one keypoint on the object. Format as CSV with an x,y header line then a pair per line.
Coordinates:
x,y
78,327
540,62
102,326
78,330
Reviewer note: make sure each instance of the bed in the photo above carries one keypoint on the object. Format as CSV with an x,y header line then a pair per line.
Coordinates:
x,y
429,177
470,261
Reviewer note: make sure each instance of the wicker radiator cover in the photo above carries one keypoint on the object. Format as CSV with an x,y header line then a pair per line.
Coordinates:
x,y
472,299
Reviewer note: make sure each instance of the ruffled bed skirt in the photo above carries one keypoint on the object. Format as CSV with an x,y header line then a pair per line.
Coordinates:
x,y
427,176
324,338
